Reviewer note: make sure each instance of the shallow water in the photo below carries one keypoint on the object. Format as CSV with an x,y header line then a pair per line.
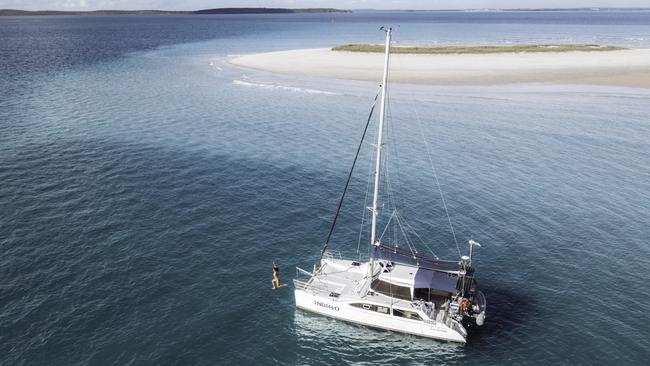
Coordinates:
x,y
147,185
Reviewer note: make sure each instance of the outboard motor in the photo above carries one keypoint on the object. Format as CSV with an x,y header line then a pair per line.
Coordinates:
x,y
480,319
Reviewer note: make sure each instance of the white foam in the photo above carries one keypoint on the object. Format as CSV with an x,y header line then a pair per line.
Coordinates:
x,y
283,87
215,66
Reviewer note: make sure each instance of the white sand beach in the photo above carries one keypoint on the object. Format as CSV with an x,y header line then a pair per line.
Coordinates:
x,y
629,67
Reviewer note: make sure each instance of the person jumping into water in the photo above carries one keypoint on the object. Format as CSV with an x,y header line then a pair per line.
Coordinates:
x,y
276,277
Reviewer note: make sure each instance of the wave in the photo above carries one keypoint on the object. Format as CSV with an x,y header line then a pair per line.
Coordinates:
x,y
214,66
283,87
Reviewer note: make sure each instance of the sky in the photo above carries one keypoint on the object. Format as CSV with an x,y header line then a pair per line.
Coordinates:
x,y
342,4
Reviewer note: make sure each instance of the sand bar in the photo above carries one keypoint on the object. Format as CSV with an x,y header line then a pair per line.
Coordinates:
x,y
629,67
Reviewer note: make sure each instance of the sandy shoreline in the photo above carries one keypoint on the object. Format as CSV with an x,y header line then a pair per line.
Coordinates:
x,y
629,68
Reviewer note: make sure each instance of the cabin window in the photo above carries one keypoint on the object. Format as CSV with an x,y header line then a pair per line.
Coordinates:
x,y
422,294
388,289
406,314
429,294
377,308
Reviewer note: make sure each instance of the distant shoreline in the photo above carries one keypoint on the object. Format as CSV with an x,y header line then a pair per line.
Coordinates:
x,y
628,67
15,12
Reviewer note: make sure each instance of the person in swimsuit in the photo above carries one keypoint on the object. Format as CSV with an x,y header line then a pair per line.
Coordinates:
x,y
276,277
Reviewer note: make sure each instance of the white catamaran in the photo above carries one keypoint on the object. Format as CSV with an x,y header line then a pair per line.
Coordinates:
x,y
396,289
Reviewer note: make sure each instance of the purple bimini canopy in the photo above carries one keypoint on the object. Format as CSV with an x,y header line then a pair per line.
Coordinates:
x,y
435,280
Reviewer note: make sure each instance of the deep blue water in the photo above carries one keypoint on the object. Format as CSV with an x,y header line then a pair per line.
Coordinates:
x,y
146,185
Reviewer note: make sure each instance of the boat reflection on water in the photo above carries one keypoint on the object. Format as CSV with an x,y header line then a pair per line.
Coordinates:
x,y
333,341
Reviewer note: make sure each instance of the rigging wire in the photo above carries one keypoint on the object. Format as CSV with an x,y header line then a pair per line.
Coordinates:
x,y
408,226
412,248
366,206
393,199
385,190
347,183
394,149
389,192
387,224
435,175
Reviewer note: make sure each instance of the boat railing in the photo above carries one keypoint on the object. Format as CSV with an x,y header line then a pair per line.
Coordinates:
x,y
302,272
332,254
311,286
300,285
303,277
305,281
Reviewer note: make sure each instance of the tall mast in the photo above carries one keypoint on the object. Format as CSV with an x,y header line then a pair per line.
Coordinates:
x,y
382,113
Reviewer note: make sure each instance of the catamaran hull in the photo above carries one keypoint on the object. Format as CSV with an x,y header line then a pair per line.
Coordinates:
x,y
343,311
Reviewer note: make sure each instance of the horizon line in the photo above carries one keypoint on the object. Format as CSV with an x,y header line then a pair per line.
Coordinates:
x,y
587,8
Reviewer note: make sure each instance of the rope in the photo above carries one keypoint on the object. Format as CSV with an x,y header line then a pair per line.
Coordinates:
x,y
408,226
435,175
365,208
347,183
387,225
406,238
396,198
393,198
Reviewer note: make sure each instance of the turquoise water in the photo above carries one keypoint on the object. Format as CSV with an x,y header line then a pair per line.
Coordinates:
x,y
147,185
